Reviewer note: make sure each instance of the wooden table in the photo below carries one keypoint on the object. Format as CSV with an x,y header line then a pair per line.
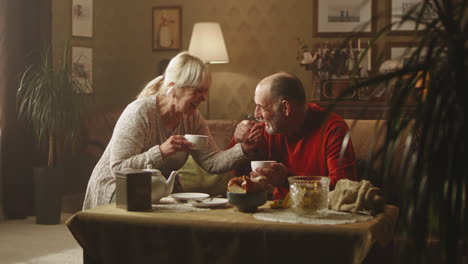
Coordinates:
x,y
111,235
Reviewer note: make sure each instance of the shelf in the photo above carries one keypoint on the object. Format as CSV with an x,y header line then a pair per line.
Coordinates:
x,y
366,110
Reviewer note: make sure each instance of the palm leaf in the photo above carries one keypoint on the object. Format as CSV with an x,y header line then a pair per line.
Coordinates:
x,y
423,154
48,101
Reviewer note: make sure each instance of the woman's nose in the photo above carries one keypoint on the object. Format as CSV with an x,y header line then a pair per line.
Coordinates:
x,y
204,96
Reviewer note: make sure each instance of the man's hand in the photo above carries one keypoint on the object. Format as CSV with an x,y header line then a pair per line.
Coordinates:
x,y
276,175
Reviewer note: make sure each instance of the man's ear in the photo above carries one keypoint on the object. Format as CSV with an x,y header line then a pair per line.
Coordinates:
x,y
285,108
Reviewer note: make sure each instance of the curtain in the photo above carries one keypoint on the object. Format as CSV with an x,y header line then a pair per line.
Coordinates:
x,y
24,28
3,62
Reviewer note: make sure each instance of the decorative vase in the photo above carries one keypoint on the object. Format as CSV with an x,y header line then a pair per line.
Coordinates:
x,y
165,38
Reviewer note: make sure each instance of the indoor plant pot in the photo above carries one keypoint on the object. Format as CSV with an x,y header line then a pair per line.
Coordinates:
x,y
48,183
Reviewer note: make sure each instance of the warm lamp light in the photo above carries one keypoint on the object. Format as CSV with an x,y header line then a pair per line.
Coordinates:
x,y
207,43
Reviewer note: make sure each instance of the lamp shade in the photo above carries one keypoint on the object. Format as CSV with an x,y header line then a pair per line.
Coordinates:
x,y
207,43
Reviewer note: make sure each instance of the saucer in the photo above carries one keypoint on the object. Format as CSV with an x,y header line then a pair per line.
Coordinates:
x,y
184,197
210,202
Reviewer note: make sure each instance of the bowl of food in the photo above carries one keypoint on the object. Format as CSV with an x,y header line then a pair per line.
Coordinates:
x,y
247,202
246,194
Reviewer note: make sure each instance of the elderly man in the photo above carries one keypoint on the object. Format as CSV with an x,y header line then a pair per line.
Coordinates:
x,y
302,137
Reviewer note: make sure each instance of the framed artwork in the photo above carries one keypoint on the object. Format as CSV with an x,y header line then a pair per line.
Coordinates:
x,y
167,28
399,8
337,18
82,68
82,18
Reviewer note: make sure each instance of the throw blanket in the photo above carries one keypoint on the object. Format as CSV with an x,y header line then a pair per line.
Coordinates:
x,y
353,196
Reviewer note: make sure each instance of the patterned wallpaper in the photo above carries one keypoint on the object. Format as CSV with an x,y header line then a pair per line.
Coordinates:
x,y
260,37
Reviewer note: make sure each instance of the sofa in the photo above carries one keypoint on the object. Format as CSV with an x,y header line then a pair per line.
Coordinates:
x,y
365,135
99,127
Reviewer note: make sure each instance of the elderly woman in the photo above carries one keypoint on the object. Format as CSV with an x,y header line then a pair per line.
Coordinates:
x,y
150,131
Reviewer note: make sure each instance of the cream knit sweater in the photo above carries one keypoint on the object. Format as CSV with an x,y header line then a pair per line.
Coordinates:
x,y
135,144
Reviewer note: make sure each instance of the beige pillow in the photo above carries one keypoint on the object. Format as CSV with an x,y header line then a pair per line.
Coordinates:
x,y
196,179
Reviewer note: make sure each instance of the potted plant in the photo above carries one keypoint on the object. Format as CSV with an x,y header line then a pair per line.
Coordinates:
x,y
49,101
429,179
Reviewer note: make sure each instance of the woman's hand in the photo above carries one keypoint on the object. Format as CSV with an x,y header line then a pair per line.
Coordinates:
x,y
175,143
249,134
248,131
276,175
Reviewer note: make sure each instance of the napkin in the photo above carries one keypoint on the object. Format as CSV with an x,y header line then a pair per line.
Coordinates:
x,y
353,196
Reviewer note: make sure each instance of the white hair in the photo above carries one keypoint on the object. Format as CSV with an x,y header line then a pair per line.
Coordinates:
x,y
184,70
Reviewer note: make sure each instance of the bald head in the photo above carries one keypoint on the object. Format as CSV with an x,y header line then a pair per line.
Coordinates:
x,y
284,86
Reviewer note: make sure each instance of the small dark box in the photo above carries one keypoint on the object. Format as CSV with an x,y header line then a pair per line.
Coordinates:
x,y
133,190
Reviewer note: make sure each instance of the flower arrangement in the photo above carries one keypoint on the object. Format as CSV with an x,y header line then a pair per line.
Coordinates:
x,y
330,60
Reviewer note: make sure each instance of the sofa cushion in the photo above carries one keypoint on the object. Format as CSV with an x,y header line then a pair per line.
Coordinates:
x,y
222,131
366,135
196,179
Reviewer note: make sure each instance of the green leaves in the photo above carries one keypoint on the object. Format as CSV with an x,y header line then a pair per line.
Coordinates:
x,y
47,100
424,155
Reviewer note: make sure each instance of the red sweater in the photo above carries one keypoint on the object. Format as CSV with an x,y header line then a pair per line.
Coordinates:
x,y
316,151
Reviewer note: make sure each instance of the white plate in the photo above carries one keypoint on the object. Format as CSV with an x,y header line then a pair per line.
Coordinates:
x,y
210,202
184,197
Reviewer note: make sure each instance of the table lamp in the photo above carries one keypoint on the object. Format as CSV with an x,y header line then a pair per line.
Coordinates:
x,y
207,43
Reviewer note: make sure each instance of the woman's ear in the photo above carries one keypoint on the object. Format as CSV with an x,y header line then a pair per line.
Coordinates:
x,y
285,108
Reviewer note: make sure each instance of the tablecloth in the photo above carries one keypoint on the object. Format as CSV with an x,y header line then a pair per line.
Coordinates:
x,y
111,235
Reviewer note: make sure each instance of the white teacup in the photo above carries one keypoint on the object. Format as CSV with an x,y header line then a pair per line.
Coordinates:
x,y
200,141
261,164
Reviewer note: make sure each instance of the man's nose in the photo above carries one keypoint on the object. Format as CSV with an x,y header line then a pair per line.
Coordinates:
x,y
258,114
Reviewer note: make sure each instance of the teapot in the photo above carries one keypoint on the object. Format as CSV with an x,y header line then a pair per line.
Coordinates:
x,y
160,187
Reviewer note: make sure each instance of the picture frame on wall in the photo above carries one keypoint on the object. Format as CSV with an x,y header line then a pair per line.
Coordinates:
x,y
167,28
82,68
396,9
82,18
337,18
